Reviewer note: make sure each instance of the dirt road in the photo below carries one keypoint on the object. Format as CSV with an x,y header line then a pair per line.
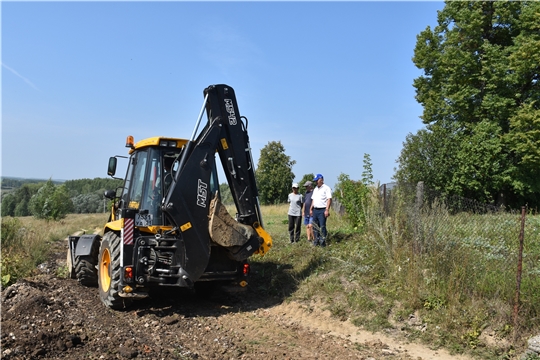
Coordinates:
x,y
47,317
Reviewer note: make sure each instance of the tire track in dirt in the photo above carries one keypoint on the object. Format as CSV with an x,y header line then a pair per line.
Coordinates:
x,y
314,318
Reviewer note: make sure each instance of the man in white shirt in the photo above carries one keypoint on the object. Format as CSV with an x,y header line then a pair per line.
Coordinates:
x,y
296,201
320,209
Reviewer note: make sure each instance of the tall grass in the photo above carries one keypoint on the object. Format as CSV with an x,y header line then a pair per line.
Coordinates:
x,y
26,241
454,274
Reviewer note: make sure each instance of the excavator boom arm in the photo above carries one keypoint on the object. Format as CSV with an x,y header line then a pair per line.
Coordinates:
x,y
196,213
234,151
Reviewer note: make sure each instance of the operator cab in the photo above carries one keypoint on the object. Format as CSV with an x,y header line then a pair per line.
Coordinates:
x,y
151,170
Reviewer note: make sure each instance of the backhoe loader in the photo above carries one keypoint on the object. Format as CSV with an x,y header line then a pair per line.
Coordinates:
x,y
167,226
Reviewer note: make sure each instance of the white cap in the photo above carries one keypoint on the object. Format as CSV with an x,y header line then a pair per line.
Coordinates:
x,y
295,185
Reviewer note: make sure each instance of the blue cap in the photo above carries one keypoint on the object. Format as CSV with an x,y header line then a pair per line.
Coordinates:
x,y
319,176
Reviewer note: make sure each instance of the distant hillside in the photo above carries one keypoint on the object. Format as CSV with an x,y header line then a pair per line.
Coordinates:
x,y
9,183
85,195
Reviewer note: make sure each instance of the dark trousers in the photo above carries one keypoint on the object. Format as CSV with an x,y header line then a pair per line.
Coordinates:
x,y
295,223
319,227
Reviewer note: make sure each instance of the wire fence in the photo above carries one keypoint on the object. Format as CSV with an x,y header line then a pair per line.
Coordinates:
x,y
488,251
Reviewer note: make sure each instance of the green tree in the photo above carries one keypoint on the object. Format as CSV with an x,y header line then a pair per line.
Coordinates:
x,y
62,204
423,157
274,173
86,194
480,97
352,195
87,186
306,177
16,202
8,205
40,203
524,140
88,203
51,202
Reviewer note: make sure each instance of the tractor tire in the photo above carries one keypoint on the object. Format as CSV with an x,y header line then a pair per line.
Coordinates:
x,y
110,272
85,267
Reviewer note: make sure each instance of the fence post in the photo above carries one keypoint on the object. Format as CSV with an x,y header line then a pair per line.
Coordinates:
x,y
417,248
519,270
419,195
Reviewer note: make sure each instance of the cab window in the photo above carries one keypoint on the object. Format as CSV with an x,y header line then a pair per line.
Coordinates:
x,y
135,179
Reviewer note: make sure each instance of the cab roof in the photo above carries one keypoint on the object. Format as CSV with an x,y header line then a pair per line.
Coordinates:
x,y
156,141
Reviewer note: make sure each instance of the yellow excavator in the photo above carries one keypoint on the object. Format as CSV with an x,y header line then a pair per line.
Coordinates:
x,y
167,226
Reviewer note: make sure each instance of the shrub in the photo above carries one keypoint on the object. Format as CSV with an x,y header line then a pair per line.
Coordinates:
x,y
51,202
353,197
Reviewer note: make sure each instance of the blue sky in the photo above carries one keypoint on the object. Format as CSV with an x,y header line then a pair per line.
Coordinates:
x,y
330,80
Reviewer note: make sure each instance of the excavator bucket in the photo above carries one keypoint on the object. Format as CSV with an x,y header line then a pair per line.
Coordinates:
x,y
226,231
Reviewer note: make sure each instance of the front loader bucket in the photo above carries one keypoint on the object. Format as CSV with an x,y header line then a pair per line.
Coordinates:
x,y
226,231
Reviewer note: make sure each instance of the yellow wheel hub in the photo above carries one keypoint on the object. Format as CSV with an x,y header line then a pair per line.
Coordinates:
x,y
104,267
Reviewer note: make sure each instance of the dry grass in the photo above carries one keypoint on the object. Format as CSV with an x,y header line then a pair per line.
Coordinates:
x,y
26,240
